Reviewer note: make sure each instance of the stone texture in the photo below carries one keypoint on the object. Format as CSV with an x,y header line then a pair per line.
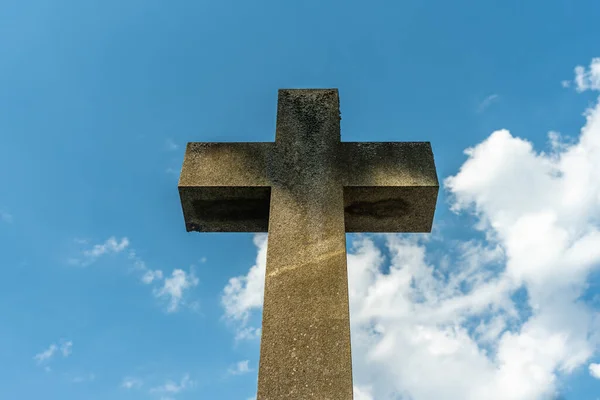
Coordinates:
x,y
307,189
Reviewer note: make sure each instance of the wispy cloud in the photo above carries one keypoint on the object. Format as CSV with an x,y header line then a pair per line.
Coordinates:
x,y
66,348
83,378
174,287
507,311
171,145
171,288
113,246
45,356
131,383
173,171
150,276
588,79
247,333
110,246
487,102
241,367
172,388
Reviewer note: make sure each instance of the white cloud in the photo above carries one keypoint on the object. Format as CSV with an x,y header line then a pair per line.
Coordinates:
x,y
131,383
362,393
487,102
245,293
66,348
247,333
595,370
455,321
588,79
45,356
138,263
111,245
241,367
151,276
171,289
174,287
148,275
171,388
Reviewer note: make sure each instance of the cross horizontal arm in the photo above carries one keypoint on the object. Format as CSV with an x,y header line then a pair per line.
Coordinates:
x,y
388,186
224,187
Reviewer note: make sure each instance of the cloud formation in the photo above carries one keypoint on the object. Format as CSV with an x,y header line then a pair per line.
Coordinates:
x,y
89,256
245,293
508,312
131,383
66,348
46,354
588,79
173,288
172,388
487,102
170,289
44,357
595,370
241,367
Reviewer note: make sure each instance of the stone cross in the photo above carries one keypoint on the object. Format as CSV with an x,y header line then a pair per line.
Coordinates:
x,y
307,189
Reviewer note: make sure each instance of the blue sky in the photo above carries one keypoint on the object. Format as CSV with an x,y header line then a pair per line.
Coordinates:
x,y
105,296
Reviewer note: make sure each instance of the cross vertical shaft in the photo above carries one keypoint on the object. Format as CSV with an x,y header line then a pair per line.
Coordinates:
x,y
305,343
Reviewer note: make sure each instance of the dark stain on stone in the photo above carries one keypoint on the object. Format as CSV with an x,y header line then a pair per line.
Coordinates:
x,y
231,209
307,115
379,209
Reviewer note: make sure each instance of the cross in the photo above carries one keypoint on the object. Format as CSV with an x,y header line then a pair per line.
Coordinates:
x,y
307,189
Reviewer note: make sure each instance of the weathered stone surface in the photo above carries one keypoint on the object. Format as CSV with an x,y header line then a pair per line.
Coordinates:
x,y
307,189
230,178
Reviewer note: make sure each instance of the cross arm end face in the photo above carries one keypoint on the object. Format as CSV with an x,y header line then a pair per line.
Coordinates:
x,y
225,208
224,187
